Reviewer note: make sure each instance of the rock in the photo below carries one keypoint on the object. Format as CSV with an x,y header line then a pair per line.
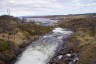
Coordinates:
x,y
60,56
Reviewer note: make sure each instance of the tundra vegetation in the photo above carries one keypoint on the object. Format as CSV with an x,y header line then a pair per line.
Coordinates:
x,y
15,33
84,27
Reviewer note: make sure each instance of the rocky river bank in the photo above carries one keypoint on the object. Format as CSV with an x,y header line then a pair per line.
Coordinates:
x,y
66,54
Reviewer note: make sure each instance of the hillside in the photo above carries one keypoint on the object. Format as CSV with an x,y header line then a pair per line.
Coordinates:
x,y
84,27
15,34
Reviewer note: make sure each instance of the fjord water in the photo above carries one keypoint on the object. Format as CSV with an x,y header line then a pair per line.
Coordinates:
x,y
42,50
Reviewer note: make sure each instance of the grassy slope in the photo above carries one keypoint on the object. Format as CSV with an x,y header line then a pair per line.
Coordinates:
x,y
13,29
85,31
15,33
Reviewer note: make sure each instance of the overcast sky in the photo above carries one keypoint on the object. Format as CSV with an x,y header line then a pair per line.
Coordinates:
x,y
47,7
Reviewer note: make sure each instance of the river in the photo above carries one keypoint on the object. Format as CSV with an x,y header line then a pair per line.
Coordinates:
x,y
42,50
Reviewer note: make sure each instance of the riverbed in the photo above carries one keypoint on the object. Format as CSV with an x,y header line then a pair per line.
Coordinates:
x,y
42,50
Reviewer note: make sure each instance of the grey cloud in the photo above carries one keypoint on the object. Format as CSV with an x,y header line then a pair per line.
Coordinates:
x,y
37,6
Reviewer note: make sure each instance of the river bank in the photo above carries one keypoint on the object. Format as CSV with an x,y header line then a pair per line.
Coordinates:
x,y
21,50
68,53
15,35
85,32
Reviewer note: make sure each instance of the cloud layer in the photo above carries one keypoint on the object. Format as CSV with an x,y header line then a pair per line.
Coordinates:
x,y
47,7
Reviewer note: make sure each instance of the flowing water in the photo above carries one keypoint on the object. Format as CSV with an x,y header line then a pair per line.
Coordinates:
x,y
42,50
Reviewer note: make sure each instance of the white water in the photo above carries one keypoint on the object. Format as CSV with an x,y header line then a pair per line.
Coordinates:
x,y
42,50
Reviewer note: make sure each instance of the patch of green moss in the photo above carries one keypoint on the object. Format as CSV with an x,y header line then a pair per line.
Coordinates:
x,y
4,45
